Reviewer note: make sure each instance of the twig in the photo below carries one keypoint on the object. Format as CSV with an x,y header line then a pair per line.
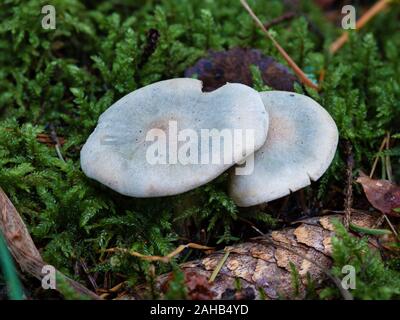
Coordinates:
x,y
302,76
348,202
368,15
23,248
164,259
117,287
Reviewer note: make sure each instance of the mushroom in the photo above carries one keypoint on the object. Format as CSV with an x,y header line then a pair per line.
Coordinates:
x,y
301,143
150,143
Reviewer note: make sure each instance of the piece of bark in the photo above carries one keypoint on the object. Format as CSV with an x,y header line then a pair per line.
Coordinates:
x,y
263,263
23,248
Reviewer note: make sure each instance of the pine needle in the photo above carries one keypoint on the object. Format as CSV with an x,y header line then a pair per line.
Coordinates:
x,y
166,258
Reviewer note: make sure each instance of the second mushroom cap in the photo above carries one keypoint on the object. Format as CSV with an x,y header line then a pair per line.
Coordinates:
x,y
301,143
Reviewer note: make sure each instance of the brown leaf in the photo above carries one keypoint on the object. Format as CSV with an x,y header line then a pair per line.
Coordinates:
x,y
382,194
233,65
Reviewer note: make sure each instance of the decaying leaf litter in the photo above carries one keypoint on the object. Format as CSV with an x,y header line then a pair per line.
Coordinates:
x,y
196,287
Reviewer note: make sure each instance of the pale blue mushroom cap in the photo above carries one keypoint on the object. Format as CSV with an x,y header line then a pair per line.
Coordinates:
x,y
301,144
115,153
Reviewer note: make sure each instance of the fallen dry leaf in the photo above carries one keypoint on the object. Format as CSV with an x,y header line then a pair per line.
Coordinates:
x,y
382,194
233,65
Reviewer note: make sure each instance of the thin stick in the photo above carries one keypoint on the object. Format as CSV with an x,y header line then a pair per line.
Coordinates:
x,y
371,174
219,266
14,286
390,225
164,259
348,202
303,78
367,16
